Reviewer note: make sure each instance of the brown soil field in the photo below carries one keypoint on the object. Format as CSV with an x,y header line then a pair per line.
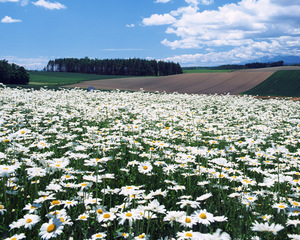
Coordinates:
x,y
193,83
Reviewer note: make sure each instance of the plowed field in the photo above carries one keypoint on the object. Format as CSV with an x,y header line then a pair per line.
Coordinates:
x,y
193,83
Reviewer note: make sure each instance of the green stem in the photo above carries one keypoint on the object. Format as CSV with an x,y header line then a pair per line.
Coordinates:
x,y
4,192
97,184
148,225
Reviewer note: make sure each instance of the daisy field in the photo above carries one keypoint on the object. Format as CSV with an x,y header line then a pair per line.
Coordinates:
x,y
135,165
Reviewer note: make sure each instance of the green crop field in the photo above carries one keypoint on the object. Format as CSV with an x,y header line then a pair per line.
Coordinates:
x,y
64,78
281,83
54,80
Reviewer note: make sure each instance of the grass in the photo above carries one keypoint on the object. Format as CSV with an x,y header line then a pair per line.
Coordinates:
x,y
281,83
66,78
55,80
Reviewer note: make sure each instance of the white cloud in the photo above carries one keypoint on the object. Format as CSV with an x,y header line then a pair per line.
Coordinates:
x,y
29,63
189,10
8,19
248,28
279,47
24,2
162,1
130,25
202,2
49,5
3,1
184,43
206,2
158,19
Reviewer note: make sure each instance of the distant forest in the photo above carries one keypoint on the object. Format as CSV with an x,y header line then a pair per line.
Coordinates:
x,y
238,66
129,67
12,73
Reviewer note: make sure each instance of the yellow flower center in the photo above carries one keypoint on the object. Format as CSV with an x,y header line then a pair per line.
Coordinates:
x,y
281,206
51,228
67,176
203,216
14,238
129,214
295,203
83,184
188,220
55,202
145,167
106,215
28,220
189,235
99,235
83,217
1,206
99,211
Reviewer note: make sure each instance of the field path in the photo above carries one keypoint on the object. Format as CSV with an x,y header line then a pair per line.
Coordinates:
x,y
196,83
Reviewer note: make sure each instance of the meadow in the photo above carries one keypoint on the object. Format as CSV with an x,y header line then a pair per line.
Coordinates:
x,y
55,80
134,165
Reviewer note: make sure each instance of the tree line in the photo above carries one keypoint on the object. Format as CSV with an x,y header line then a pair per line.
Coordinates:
x,y
129,67
251,65
12,73
263,65
240,66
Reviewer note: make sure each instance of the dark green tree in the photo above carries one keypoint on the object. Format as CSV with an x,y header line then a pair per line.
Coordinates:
x,y
129,67
12,73
4,71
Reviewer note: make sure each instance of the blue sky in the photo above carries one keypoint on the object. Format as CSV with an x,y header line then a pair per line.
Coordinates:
x,y
191,32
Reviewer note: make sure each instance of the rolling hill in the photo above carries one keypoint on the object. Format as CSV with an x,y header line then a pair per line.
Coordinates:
x,y
235,82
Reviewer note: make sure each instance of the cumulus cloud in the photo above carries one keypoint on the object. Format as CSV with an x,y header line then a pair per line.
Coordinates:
x,y
206,2
202,2
158,19
249,28
253,51
49,5
8,19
